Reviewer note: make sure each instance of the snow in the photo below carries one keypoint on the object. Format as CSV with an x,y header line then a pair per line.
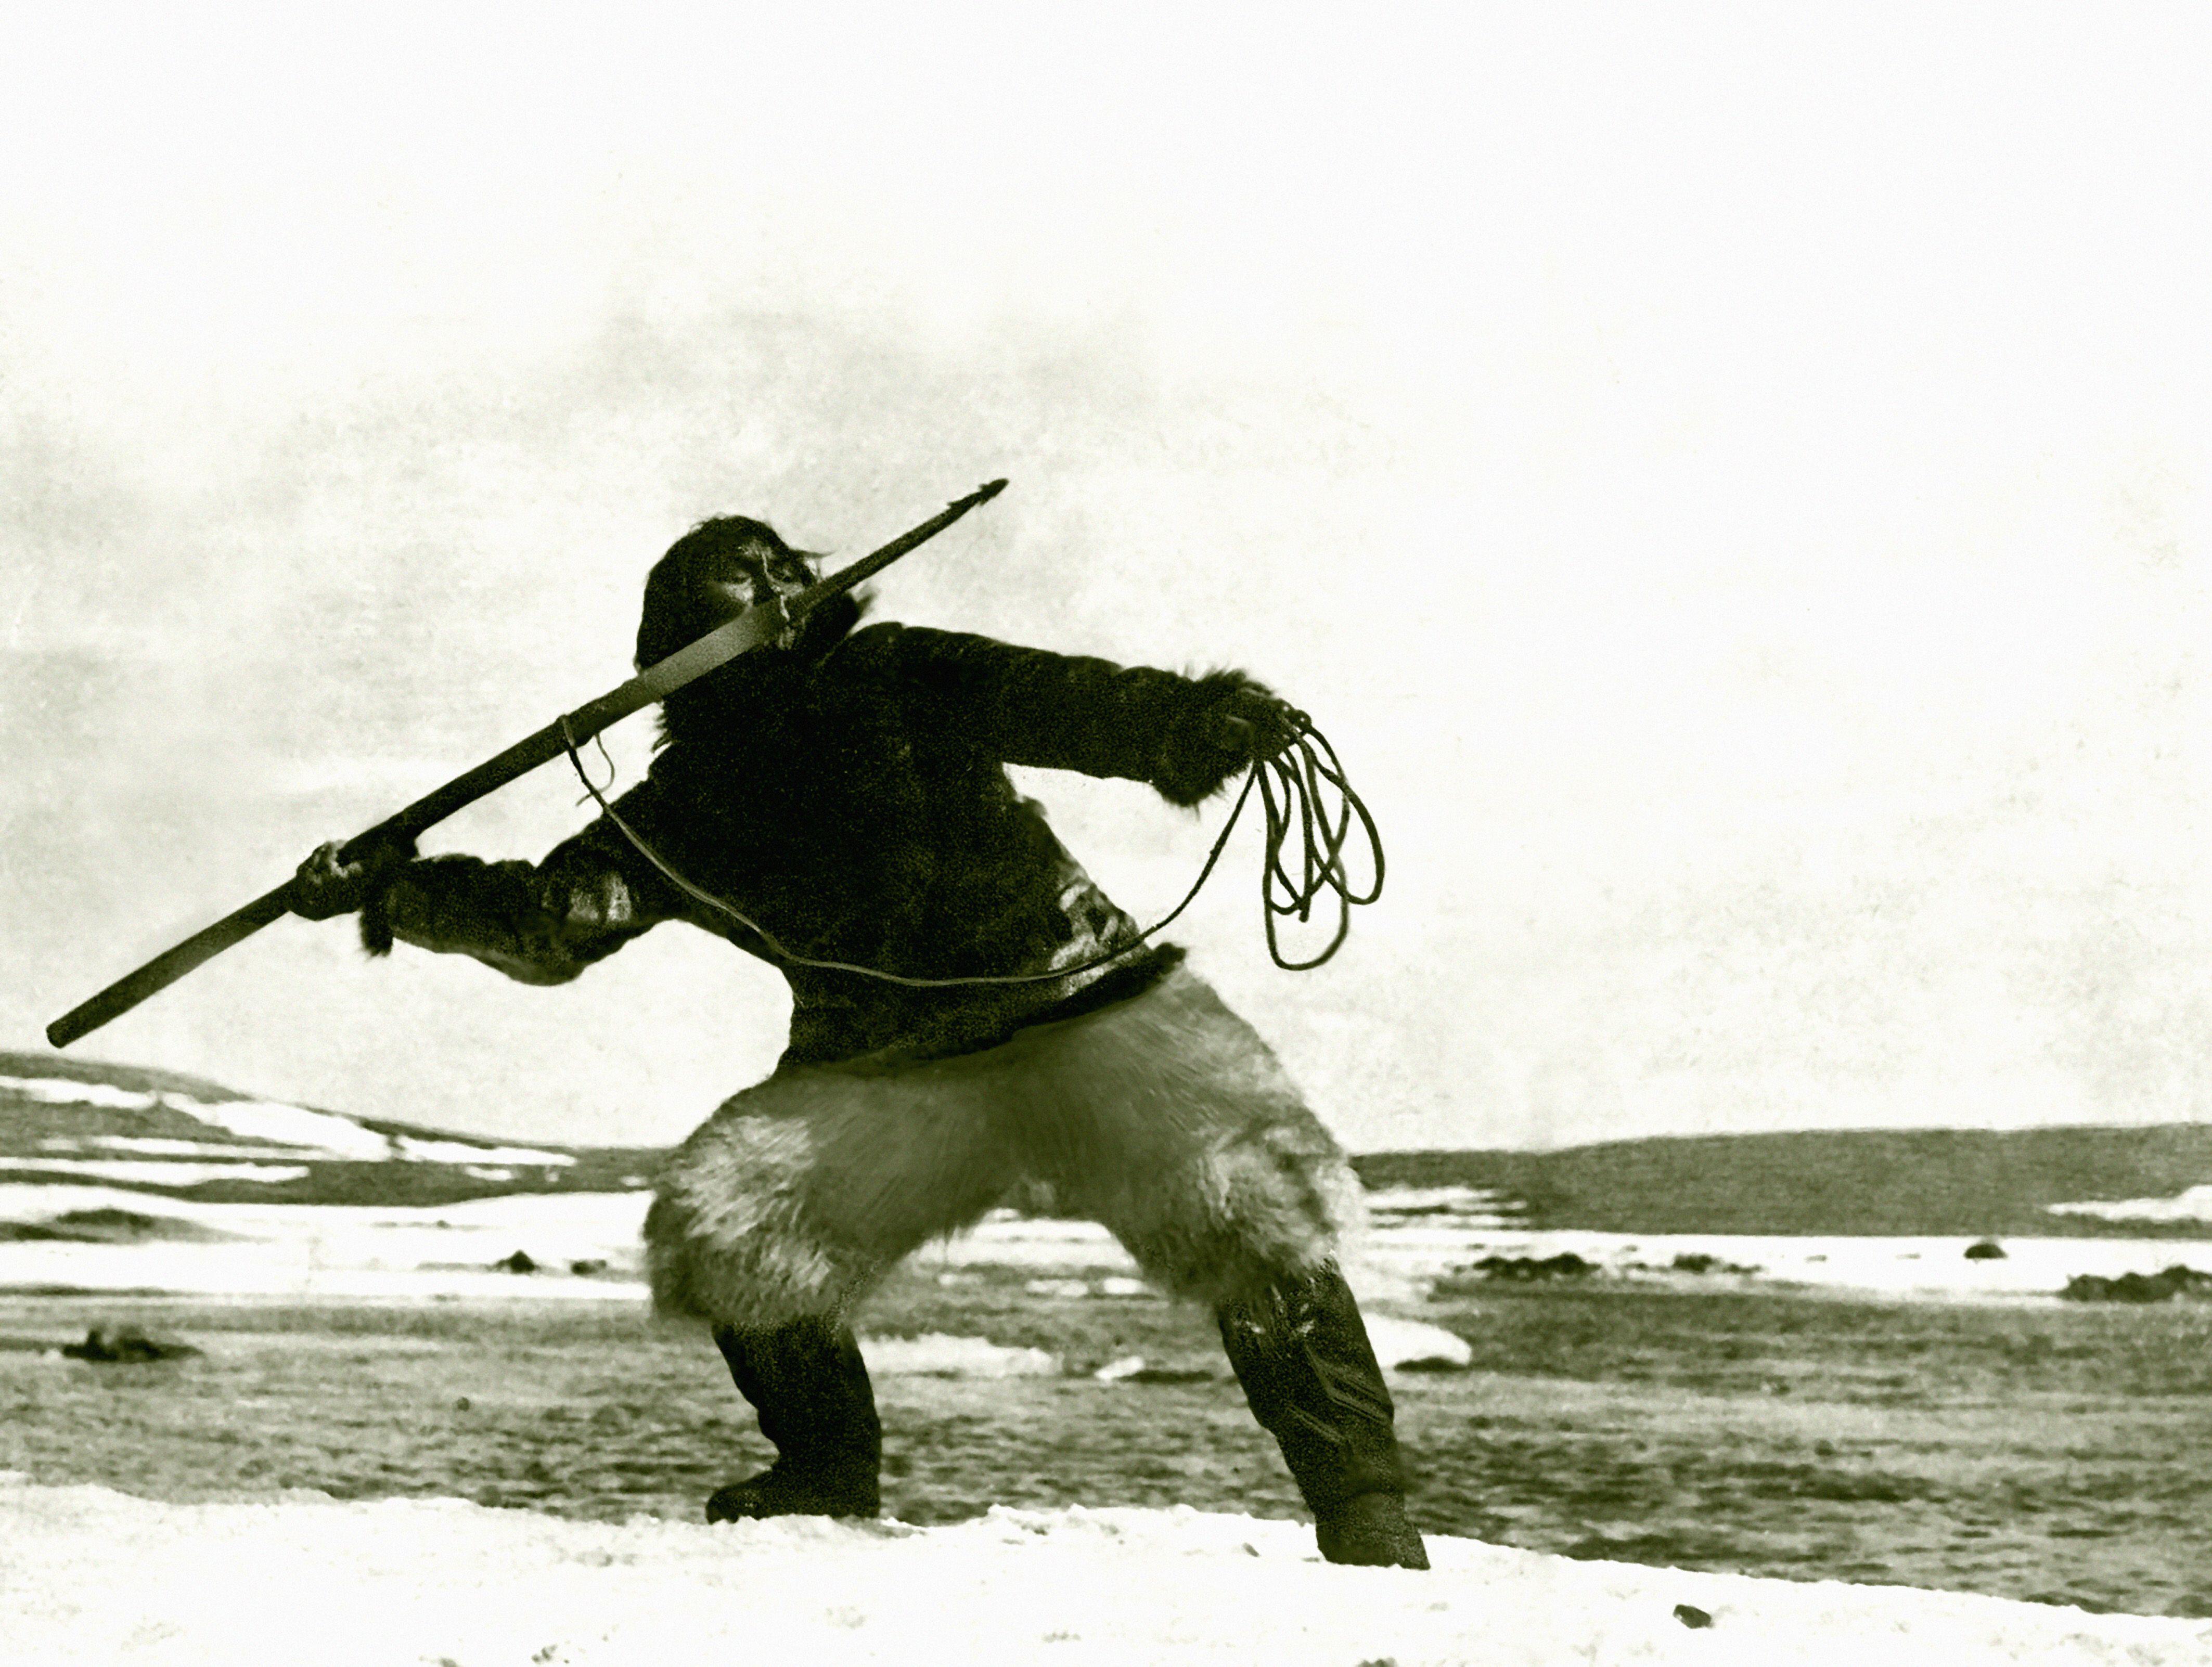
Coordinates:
x,y
934,1354
96,1577
1927,1268
308,1251
1408,1342
63,1091
92,1576
1475,1206
1398,1256
153,1146
288,1125
304,1131
155,1172
2193,1205
1058,1288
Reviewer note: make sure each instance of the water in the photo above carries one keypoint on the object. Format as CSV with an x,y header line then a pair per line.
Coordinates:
x,y
2028,1449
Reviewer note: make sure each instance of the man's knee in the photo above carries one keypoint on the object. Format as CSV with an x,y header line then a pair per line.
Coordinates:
x,y
751,1265
799,1195
1246,1217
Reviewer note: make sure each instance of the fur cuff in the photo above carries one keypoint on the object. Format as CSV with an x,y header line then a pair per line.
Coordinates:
x,y
1197,757
376,922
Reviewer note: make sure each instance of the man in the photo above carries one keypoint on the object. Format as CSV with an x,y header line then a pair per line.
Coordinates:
x,y
969,1014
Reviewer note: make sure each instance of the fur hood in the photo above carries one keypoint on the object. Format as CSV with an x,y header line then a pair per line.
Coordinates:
x,y
712,713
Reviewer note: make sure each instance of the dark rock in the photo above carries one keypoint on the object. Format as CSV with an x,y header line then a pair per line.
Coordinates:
x,y
1169,1374
518,1262
1566,1265
2160,1287
126,1345
1985,1250
589,1264
1699,1262
1690,1616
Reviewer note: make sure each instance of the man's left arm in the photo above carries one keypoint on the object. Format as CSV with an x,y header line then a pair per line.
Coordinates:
x,y
1184,735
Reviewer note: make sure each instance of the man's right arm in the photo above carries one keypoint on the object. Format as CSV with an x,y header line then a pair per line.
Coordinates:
x,y
538,923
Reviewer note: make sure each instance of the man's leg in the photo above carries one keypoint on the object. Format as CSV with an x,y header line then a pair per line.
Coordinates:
x,y
1168,1120
1301,1352
806,1381
776,1216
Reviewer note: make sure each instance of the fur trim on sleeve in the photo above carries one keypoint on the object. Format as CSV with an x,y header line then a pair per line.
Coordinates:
x,y
1196,759
376,923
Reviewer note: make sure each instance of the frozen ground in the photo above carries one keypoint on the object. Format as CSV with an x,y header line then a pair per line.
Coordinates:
x,y
330,1251
406,1582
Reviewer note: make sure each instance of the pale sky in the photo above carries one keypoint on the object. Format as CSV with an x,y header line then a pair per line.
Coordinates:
x,y
1731,482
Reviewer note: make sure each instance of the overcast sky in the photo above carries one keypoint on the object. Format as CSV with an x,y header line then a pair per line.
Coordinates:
x,y
1730,483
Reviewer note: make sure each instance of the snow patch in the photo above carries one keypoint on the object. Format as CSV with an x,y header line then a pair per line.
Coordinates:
x,y
340,1251
157,1172
1404,1342
304,1131
936,1356
2193,1205
317,1249
153,1146
65,1091
99,1577
288,1125
1464,1206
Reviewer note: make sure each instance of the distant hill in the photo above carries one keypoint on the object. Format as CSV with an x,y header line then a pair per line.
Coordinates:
x,y
67,1120
64,1119
1937,1181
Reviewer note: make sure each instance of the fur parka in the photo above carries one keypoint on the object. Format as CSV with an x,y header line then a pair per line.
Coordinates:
x,y
849,794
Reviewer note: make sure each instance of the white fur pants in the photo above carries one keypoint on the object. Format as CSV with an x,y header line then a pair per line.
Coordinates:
x,y
1164,1118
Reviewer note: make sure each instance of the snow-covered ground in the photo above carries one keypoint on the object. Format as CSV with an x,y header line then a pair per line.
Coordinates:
x,y
94,1577
336,1250
2193,1204
340,1252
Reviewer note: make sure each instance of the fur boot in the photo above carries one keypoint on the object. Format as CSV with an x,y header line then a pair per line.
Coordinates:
x,y
1301,1351
810,1387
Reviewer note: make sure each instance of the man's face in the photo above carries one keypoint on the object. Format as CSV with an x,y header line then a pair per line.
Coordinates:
x,y
758,574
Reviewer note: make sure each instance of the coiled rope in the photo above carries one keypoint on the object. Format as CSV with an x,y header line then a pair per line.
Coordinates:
x,y
1292,782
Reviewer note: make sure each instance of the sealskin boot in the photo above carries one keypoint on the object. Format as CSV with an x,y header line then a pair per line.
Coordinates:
x,y
808,1385
1301,1352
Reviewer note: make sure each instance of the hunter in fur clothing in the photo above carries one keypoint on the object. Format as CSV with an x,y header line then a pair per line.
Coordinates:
x,y
844,792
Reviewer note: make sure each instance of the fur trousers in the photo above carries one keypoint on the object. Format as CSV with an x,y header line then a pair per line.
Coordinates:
x,y
1165,1118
